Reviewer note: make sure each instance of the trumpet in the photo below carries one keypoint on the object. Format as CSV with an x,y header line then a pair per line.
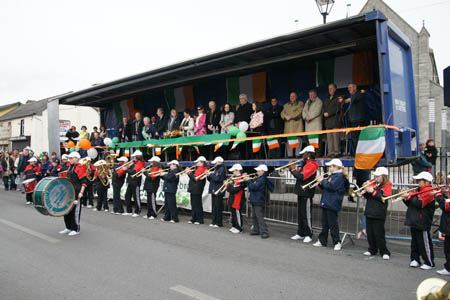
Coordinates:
x,y
224,186
397,197
188,169
141,172
203,175
360,191
316,181
125,165
288,165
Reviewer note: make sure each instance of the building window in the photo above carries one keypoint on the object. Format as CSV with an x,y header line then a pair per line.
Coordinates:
x,y
22,127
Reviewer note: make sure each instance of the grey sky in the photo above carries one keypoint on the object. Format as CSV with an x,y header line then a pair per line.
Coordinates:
x,y
54,46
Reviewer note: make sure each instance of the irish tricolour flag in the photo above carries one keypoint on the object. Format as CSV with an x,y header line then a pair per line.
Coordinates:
x,y
314,140
293,142
371,145
256,145
273,143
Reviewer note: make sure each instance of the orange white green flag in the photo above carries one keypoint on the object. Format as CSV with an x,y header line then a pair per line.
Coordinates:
x,y
370,149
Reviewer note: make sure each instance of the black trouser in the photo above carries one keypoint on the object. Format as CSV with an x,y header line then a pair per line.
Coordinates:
x,y
197,208
135,192
259,224
236,219
329,223
447,252
170,207
217,209
354,135
375,236
88,195
304,216
151,204
422,246
117,202
102,198
29,197
8,182
72,219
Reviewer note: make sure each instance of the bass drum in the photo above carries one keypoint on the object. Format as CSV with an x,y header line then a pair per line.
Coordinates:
x,y
54,196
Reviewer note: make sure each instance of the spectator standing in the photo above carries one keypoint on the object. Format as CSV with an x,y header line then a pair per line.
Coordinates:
x,y
187,124
84,134
274,124
200,122
161,123
356,114
292,116
431,153
212,118
421,164
72,134
8,171
257,118
174,121
46,166
226,118
332,121
138,124
21,165
103,132
312,112
95,129
148,131
125,133
244,111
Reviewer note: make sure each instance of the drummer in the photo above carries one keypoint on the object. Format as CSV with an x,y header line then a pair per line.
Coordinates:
x,y
77,174
32,171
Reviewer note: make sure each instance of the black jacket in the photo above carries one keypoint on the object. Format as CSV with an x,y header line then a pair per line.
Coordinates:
x,y
375,208
151,184
72,135
118,178
305,175
273,120
216,179
444,226
195,187
175,124
433,151
243,114
136,129
357,108
212,118
23,163
161,125
331,106
171,182
5,165
125,132
420,212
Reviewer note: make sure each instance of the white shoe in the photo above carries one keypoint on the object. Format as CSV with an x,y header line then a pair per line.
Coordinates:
x,y
151,218
297,237
211,225
126,214
196,223
216,226
89,206
118,213
318,244
95,209
337,247
105,210
386,257
443,272
162,220
414,264
172,221
135,215
72,233
189,222
232,228
145,217
28,202
367,253
235,231
307,240
65,231
112,212
426,267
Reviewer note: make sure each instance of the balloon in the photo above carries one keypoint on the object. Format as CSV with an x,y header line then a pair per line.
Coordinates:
x,y
92,153
112,145
233,130
115,140
72,149
70,144
241,135
243,126
107,141
84,144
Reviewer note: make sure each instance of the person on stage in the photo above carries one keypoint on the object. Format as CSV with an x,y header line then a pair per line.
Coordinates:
x,y
118,179
419,216
305,175
151,186
77,174
134,185
333,189
197,180
32,170
375,212
216,180
236,198
170,190
257,189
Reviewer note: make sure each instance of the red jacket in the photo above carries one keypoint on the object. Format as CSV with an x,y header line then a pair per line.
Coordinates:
x,y
236,197
32,171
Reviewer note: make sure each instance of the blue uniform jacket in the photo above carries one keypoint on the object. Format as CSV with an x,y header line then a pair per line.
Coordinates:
x,y
257,190
216,180
171,182
334,188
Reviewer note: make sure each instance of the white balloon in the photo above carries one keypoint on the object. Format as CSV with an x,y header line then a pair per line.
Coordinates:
x,y
92,153
107,141
243,126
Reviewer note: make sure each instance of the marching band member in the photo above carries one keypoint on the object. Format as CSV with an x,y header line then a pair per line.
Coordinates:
x,y
170,190
88,196
333,190
134,185
118,179
306,174
257,189
32,170
444,227
77,174
55,168
101,178
216,180
375,212
236,198
151,186
195,188
419,216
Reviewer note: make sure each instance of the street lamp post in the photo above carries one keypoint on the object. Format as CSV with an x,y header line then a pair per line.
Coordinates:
x,y
325,7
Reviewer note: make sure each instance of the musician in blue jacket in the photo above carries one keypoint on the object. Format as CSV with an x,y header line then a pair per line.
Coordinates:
x,y
333,190
170,190
257,189
216,180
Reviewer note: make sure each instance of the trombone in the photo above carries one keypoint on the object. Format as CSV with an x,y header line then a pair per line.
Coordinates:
x,y
316,181
188,169
232,179
125,165
203,175
288,165
360,191
142,171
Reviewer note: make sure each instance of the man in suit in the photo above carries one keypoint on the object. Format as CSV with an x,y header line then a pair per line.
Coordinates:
x,y
161,123
138,124
356,113
174,122
244,112
332,120
274,124
212,118
125,131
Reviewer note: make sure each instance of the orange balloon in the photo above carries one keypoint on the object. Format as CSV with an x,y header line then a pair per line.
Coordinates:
x,y
70,144
84,144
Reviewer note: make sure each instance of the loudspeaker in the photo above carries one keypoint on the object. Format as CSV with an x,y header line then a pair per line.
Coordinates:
x,y
447,86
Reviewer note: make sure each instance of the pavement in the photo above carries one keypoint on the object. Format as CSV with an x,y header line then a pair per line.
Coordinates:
x,y
118,257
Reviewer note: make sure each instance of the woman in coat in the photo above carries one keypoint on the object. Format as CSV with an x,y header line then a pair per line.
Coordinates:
x,y
187,124
200,122
312,112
